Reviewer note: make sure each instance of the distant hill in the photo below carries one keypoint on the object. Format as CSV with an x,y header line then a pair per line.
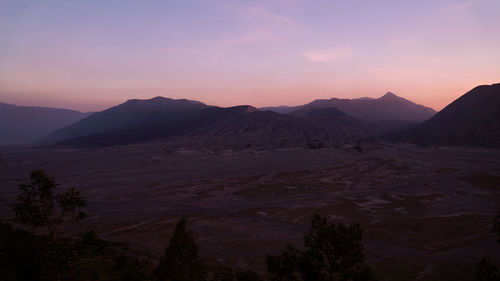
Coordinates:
x,y
321,113
388,107
25,124
131,121
281,109
195,124
314,128
388,111
471,120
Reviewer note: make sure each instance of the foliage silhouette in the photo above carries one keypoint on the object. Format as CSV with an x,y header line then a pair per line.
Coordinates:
x,y
25,256
332,252
129,268
40,206
486,270
180,261
496,227
41,257
224,273
18,250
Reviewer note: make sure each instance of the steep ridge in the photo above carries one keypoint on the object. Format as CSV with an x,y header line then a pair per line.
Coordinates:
x,y
132,120
471,120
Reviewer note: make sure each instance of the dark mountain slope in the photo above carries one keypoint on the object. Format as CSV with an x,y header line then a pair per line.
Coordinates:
x,y
389,112
23,124
132,120
191,123
313,128
320,113
281,109
473,119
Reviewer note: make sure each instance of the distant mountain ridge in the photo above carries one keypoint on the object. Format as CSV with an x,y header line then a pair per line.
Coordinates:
x,y
25,124
388,109
126,122
133,114
471,120
314,128
197,124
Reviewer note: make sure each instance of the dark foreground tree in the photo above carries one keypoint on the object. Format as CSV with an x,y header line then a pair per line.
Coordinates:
x,y
180,261
486,270
18,250
224,273
496,227
40,206
42,257
129,268
333,252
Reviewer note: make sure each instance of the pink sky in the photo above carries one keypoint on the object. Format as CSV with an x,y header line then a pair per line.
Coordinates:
x,y
90,55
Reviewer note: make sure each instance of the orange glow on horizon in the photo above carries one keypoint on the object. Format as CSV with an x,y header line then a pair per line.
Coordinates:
x,y
262,53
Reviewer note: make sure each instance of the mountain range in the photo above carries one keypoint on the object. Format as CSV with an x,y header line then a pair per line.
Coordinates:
x,y
196,124
314,128
389,112
473,119
24,125
318,123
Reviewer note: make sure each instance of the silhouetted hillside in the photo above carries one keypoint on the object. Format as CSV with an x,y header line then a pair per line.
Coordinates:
x,y
388,112
131,121
316,128
192,123
281,109
25,124
386,108
473,119
319,113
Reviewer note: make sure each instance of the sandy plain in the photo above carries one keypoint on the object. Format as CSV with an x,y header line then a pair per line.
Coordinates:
x,y
426,212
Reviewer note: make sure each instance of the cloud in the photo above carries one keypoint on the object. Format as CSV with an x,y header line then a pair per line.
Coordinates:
x,y
261,27
257,15
329,55
182,50
461,6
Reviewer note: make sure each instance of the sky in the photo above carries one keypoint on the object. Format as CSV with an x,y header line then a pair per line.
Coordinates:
x,y
92,54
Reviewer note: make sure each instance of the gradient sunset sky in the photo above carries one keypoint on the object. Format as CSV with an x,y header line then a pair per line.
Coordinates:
x,y
92,54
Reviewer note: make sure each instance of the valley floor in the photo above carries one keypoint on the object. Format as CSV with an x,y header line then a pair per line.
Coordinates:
x,y
426,213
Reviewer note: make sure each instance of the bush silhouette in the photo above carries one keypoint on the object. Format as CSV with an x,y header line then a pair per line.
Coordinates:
x,y
486,270
180,261
26,256
40,206
496,227
332,252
